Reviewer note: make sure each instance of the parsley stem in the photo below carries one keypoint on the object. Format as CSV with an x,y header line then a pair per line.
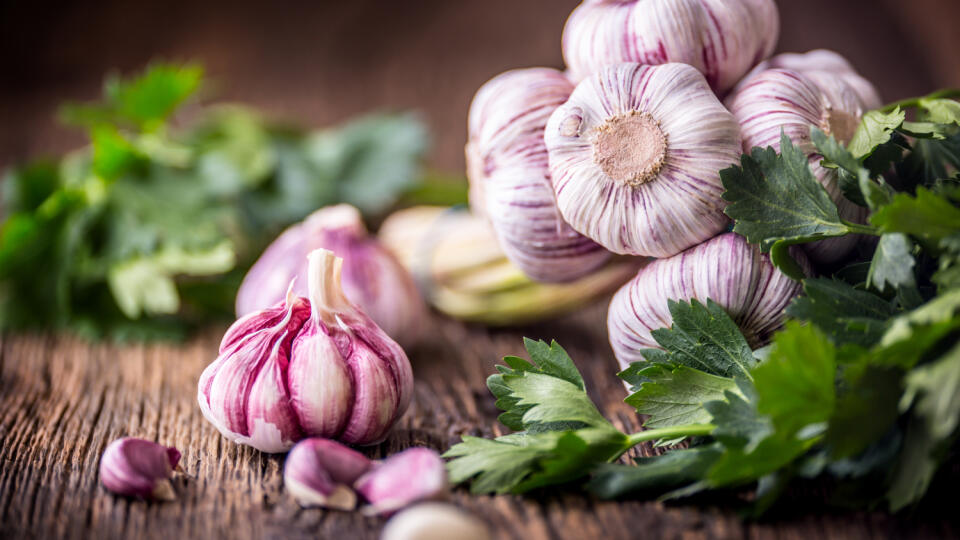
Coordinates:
x,y
948,93
857,228
672,432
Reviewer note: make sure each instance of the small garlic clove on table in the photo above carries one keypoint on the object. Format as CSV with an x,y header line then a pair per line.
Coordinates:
x,y
434,521
412,475
640,172
320,472
139,468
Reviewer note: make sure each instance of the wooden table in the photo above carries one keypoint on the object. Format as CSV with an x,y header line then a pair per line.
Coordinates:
x,y
63,400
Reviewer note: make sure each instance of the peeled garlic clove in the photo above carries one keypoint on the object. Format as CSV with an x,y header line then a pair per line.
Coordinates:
x,y
726,269
510,180
139,468
372,277
434,521
793,101
323,369
412,475
723,39
635,158
320,472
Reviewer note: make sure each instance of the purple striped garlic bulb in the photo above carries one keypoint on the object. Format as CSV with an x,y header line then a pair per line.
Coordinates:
x,y
726,269
798,92
635,158
307,367
721,38
510,179
372,276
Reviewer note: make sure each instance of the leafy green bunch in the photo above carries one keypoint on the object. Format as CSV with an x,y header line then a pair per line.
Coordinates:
x,y
148,231
862,386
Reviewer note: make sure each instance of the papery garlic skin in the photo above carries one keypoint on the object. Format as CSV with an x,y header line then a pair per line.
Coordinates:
x,y
818,92
139,468
412,475
434,521
510,180
635,158
307,367
321,472
723,39
725,269
372,277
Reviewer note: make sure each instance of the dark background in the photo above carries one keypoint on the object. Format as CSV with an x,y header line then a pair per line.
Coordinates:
x,y
320,62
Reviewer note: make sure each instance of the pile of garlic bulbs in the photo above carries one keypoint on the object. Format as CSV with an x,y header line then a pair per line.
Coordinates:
x,y
622,154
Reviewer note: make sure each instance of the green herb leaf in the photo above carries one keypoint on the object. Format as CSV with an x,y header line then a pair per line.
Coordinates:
x,y
654,474
875,129
673,396
926,216
941,111
893,263
846,314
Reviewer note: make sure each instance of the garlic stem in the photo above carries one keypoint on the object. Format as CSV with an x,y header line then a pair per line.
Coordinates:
x,y
630,147
856,228
672,432
326,294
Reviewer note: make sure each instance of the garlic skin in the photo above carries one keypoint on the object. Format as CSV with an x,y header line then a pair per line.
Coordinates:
x,y
820,89
307,367
726,269
434,521
723,39
510,179
635,157
372,277
412,475
139,468
320,472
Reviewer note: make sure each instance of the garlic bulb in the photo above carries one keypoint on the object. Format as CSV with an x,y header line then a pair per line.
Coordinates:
x,y
820,89
721,38
635,157
139,468
307,367
321,472
510,181
726,269
372,277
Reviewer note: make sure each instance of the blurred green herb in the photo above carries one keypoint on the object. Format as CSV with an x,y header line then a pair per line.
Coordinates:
x,y
147,232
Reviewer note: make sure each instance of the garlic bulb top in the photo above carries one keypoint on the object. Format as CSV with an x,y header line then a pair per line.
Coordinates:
x,y
510,180
372,277
819,90
635,158
721,38
725,269
307,367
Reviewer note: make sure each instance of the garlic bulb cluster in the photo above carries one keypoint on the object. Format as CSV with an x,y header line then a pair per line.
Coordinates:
x,y
315,366
635,157
723,39
139,468
793,94
372,277
726,269
510,181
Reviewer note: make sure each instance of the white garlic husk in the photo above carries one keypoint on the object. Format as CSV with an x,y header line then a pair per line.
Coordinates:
x,y
721,38
725,269
372,277
818,89
510,179
307,367
635,158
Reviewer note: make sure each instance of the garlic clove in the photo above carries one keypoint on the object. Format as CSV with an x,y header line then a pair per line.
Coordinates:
x,y
725,269
412,475
319,472
510,180
139,468
819,89
434,521
372,277
641,173
723,39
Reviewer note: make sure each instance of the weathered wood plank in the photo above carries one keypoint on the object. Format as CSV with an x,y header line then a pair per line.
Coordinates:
x,y
63,400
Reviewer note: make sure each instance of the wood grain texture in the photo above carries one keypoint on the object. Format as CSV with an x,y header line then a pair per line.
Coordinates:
x,y
63,400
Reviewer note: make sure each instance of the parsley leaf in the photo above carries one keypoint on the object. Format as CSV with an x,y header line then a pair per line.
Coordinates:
x,y
927,216
846,314
893,263
673,396
654,474
876,128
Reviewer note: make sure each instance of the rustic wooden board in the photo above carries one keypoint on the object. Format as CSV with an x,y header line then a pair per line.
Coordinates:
x,y
63,400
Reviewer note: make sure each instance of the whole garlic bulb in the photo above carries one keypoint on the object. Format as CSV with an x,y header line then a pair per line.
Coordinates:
x,y
635,157
726,269
721,38
307,367
510,180
372,277
820,89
